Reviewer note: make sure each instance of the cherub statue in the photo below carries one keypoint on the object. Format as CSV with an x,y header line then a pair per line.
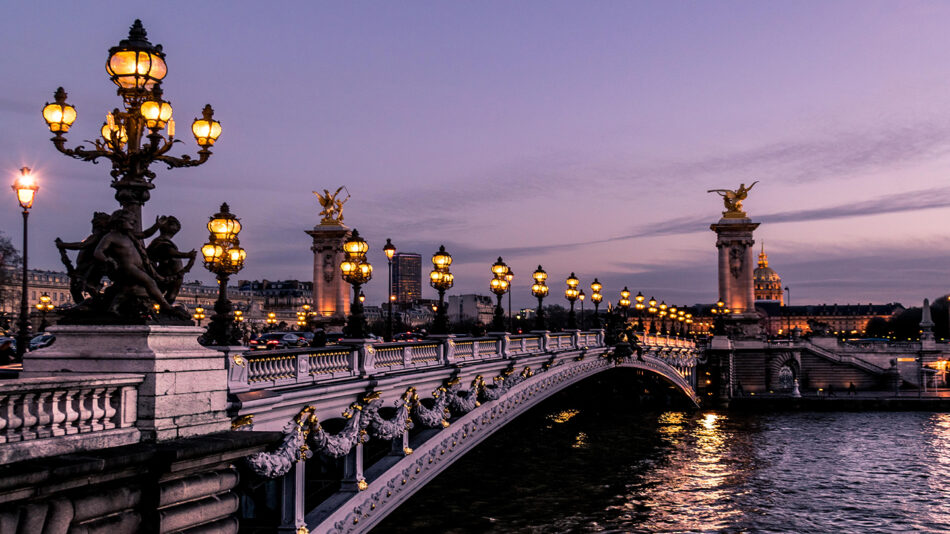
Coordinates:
x,y
332,206
166,258
122,253
86,277
733,199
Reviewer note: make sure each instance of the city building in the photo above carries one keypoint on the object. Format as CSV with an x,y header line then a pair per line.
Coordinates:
x,y
837,319
477,308
407,278
766,282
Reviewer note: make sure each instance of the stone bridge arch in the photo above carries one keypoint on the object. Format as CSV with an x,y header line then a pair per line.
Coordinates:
x,y
390,485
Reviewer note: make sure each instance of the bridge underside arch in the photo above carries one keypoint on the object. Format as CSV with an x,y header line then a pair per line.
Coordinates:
x,y
389,484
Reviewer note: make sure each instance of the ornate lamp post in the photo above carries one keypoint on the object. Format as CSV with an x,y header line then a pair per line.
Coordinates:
x,y
572,294
624,302
540,290
652,310
509,277
639,306
356,271
271,319
718,312
788,303
25,188
671,312
499,286
45,305
596,297
132,137
223,256
662,314
198,315
581,297
441,279
390,250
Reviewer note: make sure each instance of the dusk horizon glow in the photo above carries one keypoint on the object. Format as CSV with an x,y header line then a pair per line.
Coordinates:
x,y
579,137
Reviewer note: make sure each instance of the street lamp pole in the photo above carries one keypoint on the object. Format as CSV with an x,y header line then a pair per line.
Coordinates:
x,y
582,296
540,290
356,271
572,294
390,251
596,297
499,286
788,314
223,256
441,279
25,188
509,277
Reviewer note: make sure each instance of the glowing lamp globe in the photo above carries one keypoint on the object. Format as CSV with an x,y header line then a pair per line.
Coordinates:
x,y
25,188
389,249
596,286
59,116
224,226
136,64
539,275
441,259
499,268
572,281
206,129
355,247
156,112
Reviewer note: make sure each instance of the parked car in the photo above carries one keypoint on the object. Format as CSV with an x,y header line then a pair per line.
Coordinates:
x,y
407,336
42,340
277,340
334,337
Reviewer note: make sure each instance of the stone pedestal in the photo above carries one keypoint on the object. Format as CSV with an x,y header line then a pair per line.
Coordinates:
x,y
184,391
330,292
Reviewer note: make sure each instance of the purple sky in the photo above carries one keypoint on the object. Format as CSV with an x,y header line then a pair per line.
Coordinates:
x,y
575,135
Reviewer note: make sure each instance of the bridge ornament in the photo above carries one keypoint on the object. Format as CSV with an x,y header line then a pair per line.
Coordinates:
x,y
292,450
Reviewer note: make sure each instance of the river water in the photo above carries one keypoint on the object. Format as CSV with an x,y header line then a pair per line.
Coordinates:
x,y
583,463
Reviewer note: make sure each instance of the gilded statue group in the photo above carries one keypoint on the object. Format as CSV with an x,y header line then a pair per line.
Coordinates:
x,y
733,200
332,206
141,275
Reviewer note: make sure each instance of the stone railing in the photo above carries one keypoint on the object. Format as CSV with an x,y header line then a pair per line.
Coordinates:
x,y
46,416
276,368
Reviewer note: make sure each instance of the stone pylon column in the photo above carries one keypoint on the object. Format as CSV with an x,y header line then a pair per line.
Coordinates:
x,y
736,263
330,292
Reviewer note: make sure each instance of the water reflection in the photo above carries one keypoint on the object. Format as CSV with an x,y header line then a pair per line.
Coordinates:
x,y
620,470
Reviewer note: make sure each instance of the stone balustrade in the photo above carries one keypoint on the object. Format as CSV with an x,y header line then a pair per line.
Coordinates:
x,y
273,368
46,416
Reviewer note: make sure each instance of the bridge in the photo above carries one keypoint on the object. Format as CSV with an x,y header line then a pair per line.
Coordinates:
x,y
428,403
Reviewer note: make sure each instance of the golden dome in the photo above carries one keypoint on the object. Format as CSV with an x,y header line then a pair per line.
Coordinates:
x,y
767,282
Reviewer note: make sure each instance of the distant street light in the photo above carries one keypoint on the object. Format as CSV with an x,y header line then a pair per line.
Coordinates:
x,y
596,297
540,290
25,188
441,279
509,277
199,314
223,256
390,250
581,297
639,306
499,286
572,294
624,302
356,271
45,305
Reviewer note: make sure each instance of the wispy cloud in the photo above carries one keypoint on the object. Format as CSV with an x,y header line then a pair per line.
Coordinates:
x,y
835,154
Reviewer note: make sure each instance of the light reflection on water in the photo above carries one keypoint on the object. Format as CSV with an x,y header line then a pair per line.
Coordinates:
x,y
701,472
